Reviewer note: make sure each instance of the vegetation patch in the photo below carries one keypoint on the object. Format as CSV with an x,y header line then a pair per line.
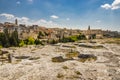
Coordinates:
x,y
60,75
65,67
113,41
74,77
68,46
58,59
78,73
91,46
72,54
87,57
22,57
34,58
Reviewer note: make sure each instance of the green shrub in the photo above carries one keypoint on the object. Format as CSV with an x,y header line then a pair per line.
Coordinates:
x,y
78,73
37,42
21,43
65,67
58,59
60,75
87,57
72,54
0,46
34,58
29,41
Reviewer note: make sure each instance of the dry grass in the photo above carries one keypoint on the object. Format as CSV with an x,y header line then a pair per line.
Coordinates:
x,y
72,54
91,46
113,41
87,57
78,73
65,67
34,58
58,59
60,75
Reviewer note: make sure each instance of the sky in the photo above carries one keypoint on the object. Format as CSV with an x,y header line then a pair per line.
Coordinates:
x,y
73,14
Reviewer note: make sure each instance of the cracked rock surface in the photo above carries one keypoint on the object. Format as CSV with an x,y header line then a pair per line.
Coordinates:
x,y
106,67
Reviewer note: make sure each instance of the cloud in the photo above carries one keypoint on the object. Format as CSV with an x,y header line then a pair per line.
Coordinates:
x,y
30,1
113,6
54,17
67,19
98,21
28,21
23,19
18,2
8,16
106,6
42,20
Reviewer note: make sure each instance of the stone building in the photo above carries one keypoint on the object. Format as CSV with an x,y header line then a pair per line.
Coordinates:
x,y
92,33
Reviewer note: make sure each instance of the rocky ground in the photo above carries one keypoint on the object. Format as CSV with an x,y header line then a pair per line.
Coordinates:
x,y
37,63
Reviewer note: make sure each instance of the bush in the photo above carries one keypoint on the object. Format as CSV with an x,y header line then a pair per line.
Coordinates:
x,y
37,42
60,75
87,57
58,59
91,46
21,43
78,73
72,54
65,67
0,46
30,41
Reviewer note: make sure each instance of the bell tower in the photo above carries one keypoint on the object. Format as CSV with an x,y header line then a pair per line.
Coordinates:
x,y
16,22
89,27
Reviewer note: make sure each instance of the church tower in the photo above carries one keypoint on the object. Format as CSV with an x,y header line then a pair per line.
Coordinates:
x,y
89,27
16,22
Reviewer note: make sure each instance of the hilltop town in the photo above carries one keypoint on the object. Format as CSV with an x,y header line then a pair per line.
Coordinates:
x,y
25,32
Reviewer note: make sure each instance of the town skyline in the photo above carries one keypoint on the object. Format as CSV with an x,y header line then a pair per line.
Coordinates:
x,y
63,13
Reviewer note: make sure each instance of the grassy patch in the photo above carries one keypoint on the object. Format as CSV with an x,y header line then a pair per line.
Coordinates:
x,y
34,58
65,67
91,46
87,57
72,54
58,59
22,57
68,46
60,75
78,73
113,41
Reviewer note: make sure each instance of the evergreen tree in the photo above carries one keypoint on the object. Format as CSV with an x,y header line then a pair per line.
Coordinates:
x,y
14,41
6,38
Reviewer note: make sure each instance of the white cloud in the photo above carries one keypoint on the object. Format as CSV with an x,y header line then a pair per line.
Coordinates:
x,y
42,20
27,21
67,19
8,16
24,20
98,21
113,6
18,2
106,6
54,16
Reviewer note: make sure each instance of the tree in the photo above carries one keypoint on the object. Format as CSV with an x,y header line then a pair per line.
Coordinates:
x,y
6,38
37,42
30,41
41,34
14,41
81,37
21,43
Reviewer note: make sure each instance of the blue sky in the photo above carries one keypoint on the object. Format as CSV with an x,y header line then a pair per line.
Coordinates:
x,y
100,14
